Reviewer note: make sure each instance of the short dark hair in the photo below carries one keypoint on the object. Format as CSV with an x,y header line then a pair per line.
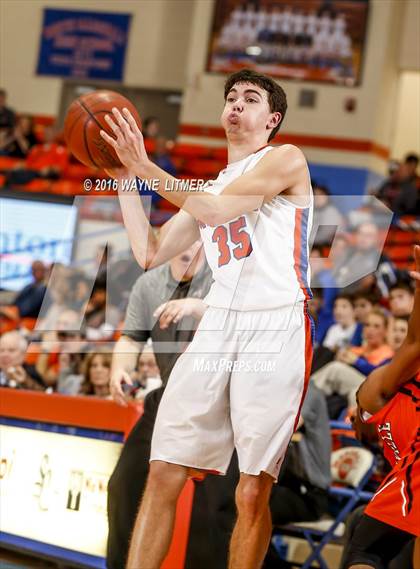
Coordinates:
x,y
3,93
405,317
402,285
369,296
344,296
412,158
275,94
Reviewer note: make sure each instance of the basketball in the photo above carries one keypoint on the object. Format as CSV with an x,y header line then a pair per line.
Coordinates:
x,y
83,123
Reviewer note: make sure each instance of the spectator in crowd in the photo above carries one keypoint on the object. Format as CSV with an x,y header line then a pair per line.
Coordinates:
x,y
327,218
363,259
343,376
7,119
146,369
400,191
363,303
14,372
30,298
301,493
165,305
401,299
49,158
18,143
162,158
45,160
151,127
62,351
341,333
321,278
102,318
397,331
96,375
59,298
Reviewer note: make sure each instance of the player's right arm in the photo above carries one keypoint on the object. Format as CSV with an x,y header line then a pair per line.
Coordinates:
x,y
382,384
150,249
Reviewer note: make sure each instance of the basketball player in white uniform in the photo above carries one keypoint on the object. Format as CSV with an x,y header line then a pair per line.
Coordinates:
x,y
242,381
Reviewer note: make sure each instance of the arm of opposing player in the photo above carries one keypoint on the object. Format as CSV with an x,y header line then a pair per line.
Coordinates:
x,y
385,381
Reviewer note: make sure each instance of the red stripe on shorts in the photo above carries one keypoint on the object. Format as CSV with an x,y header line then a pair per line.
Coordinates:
x,y
308,361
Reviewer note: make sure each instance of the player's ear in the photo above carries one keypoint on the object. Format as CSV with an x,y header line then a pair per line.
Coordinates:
x,y
274,120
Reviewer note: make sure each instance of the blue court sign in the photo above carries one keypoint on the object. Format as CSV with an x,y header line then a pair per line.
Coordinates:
x,y
83,44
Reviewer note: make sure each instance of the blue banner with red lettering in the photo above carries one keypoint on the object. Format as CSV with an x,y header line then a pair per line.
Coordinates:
x,y
86,45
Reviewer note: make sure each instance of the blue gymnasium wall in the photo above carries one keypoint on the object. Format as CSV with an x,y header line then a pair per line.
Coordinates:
x,y
345,181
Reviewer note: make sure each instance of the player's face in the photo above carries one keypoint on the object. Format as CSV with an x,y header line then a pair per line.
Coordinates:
x,y
247,112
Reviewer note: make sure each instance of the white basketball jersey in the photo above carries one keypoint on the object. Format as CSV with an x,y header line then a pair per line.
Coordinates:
x,y
259,260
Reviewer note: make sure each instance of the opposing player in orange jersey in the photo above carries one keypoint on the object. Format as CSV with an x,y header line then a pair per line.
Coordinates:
x,y
390,398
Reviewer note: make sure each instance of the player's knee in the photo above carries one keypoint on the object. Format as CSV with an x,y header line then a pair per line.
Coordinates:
x,y
167,479
252,495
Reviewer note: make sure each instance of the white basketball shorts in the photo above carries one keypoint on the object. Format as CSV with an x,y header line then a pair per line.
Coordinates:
x,y
240,384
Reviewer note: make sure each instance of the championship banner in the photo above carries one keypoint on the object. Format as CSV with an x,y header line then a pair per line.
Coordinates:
x,y
83,44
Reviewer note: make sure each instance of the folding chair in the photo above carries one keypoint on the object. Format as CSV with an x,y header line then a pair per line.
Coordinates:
x,y
352,468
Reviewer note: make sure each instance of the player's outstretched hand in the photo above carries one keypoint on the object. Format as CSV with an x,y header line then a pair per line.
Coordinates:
x,y
128,142
118,378
416,274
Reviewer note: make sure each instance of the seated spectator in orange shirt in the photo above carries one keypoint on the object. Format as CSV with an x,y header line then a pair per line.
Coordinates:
x,y
344,375
46,160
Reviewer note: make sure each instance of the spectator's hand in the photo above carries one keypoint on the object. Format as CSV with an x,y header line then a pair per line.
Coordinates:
x,y
174,310
17,375
128,142
118,377
346,356
416,273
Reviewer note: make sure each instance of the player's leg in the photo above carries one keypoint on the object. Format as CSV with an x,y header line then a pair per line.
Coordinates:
x,y
416,555
155,520
374,544
252,532
266,392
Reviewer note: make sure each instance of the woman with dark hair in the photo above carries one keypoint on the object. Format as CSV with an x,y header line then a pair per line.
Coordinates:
x,y
97,372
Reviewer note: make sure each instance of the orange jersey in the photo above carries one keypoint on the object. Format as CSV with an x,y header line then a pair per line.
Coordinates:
x,y
397,500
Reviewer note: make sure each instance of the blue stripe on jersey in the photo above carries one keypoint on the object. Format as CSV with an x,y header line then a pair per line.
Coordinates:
x,y
304,251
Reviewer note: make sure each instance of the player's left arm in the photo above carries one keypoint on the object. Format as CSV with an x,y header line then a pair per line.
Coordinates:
x,y
382,384
278,170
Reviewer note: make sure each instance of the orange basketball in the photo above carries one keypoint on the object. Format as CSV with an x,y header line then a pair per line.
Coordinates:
x,y
85,119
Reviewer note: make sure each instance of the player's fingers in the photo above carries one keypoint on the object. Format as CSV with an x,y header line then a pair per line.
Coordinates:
x,y
109,139
178,316
157,313
123,124
112,124
166,318
415,275
132,122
